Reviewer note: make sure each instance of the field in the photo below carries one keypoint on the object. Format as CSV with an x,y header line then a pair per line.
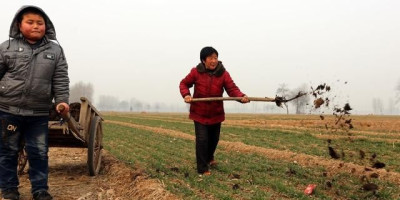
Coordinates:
x,y
264,156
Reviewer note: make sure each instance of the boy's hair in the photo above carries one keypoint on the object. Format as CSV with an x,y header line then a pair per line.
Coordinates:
x,y
207,51
32,11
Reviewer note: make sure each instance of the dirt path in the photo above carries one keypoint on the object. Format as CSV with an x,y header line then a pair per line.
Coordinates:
x,y
69,179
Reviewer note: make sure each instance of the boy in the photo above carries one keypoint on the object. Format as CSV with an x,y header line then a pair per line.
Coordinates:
x,y
33,72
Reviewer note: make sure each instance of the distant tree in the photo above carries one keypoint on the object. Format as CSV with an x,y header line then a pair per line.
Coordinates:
x,y
123,106
107,102
270,108
81,89
163,107
377,106
397,90
391,107
139,106
147,107
300,103
135,105
157,107
283,91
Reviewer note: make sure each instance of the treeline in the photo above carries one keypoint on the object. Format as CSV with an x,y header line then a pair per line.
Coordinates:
x,y
302,105
112,103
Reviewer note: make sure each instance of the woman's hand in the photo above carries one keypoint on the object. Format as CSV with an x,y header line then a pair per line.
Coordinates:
x,y
62,108
245,99
188,99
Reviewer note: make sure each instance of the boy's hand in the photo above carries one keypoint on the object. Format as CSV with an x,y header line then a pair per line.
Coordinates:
x,y
245,99
188,99
62,108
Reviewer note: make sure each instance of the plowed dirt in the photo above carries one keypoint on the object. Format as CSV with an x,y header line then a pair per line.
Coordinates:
x,y
69,179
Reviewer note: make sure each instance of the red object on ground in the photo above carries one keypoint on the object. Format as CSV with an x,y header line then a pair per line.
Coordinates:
x,y
310,189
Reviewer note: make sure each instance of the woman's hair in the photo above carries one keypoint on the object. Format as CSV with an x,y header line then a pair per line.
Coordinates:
x,y
207,51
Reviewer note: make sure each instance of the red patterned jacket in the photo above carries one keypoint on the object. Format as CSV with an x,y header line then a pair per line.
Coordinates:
x,y
208,84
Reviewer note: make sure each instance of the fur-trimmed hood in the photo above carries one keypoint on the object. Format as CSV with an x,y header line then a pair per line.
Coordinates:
x,y
14,28
217,72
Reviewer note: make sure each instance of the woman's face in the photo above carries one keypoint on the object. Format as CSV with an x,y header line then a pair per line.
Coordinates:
x,y
211,61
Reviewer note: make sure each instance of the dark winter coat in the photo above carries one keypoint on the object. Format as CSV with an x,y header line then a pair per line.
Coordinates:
x,y
208,84
31,78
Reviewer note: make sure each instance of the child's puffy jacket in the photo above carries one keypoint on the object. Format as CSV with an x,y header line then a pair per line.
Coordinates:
x,y
208,84
31,78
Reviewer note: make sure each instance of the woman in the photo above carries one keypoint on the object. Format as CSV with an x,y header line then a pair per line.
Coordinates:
x,y
210,79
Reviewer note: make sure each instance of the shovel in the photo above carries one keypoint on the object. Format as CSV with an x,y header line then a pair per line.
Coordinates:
x,y
278,100
268,99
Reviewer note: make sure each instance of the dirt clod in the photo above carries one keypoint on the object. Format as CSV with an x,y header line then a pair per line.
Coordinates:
x,y
234,176
333,153
370,187
279,100
318,102
362,154
174,169
291,172
378,165
328,184
367,169
374,175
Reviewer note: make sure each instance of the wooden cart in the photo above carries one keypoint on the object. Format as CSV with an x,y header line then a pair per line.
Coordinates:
x,y
87,132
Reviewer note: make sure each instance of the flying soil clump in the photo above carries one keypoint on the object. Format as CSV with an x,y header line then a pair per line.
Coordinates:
x,y
343,121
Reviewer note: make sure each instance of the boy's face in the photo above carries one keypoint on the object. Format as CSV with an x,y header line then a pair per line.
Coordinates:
x,y
211,61
32,27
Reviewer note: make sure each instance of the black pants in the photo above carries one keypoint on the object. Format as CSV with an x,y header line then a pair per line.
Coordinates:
x,y
207,137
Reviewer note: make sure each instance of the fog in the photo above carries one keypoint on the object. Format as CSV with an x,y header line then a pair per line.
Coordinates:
x,y
143,49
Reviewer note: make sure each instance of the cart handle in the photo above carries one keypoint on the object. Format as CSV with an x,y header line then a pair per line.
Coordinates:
x,y
72,124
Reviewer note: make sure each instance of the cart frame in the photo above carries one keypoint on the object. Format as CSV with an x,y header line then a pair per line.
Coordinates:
x,y
87,133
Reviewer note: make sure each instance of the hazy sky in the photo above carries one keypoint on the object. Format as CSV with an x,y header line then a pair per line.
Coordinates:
x,y
142,49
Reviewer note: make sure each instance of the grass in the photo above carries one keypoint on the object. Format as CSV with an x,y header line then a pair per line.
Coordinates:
x,y
241,175
305,141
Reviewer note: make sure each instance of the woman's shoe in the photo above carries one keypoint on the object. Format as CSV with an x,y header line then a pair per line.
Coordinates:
x,y
207,173
213,163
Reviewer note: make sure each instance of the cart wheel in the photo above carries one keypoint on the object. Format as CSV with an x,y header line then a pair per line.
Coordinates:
x,y
22,160
95,145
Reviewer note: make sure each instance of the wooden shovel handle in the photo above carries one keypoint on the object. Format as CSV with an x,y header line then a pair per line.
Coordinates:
x,y
233,99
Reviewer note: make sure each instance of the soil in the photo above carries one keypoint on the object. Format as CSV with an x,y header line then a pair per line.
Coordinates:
x,y
332,166
69,179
